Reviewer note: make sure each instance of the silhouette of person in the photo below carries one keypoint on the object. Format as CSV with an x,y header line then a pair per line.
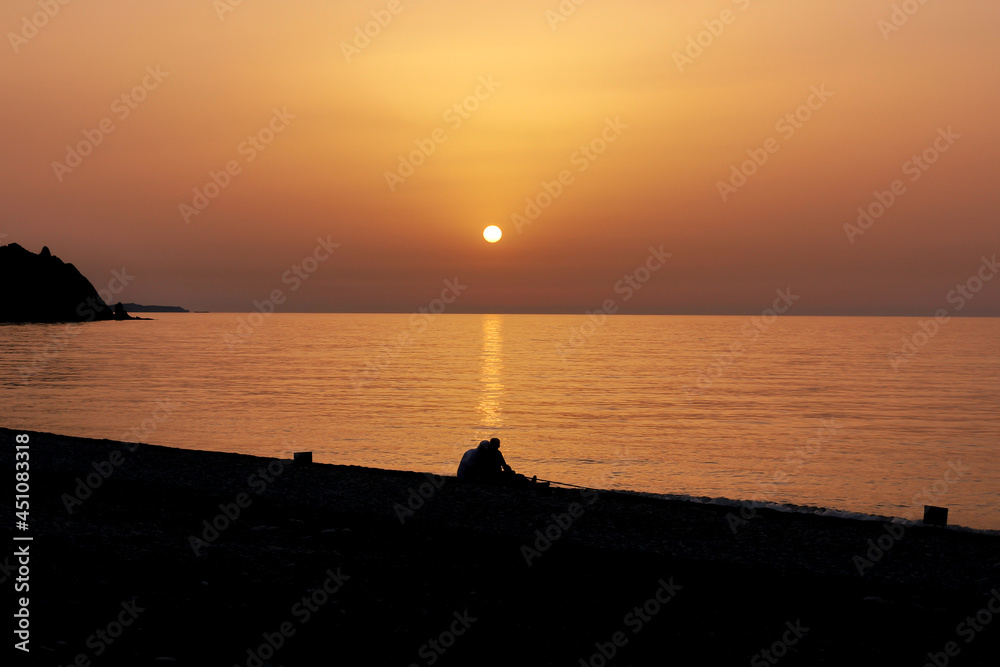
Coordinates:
x,y
498,467
473,465
486,464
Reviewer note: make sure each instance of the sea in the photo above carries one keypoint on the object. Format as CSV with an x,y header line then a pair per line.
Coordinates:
x,y
830,415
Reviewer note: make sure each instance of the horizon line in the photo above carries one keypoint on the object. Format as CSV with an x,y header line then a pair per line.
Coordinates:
x,y
584,313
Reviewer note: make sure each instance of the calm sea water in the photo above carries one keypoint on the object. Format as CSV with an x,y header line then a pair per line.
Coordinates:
x,y
804,410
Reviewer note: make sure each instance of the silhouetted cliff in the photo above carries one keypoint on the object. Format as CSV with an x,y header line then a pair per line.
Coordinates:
x,y
43,288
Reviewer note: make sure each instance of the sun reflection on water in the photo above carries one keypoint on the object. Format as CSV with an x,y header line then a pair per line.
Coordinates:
x,y
491,373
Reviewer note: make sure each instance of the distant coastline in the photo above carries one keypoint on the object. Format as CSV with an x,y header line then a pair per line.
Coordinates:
x,y
139,308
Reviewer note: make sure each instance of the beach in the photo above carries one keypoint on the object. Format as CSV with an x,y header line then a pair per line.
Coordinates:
x,y
721,278
144,554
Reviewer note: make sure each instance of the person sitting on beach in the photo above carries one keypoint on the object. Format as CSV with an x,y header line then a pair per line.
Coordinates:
x,y
486,464
497,467
473,463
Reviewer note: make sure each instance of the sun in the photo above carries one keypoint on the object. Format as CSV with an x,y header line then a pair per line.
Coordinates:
x,y
492,233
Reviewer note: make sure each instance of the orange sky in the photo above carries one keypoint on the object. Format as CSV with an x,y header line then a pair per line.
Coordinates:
x,y
532,91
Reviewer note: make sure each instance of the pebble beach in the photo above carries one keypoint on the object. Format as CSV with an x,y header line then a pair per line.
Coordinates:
x,y
145,555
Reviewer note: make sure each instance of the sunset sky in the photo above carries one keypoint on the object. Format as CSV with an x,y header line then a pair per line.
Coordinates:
x,y
644,108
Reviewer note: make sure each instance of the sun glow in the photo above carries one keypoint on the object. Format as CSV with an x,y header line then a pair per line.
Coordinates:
x,y
492,233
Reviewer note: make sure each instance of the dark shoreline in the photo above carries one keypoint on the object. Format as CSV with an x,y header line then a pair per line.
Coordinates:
x,y
395,580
